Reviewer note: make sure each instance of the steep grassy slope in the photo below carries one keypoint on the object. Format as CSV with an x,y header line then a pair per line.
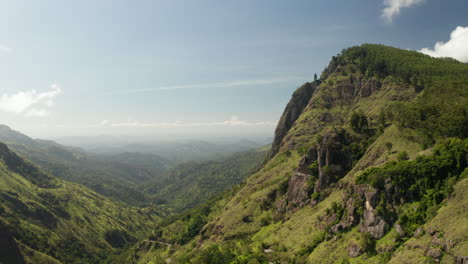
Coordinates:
x,y
193,183
47,220
366,173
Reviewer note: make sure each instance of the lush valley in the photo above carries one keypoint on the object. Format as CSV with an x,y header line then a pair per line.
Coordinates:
x,y
234,132
191,183
116,175
137,175
44,219
47,220
368,165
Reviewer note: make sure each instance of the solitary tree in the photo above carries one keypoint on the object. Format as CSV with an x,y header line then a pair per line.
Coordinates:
x,y
359,122
389,146
315,77
403,155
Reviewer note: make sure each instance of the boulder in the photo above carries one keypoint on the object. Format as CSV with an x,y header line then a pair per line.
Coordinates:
x,y
434,253
297,189
399,230
373,224
354,251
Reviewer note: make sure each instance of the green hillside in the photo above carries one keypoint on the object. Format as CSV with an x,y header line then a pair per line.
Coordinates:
x,y
47,220
368,165
192,183
140,179
114,175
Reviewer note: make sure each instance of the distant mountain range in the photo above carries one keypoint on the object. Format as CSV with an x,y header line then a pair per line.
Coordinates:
x,y
102,173
369,164
44,219
125,175
175,150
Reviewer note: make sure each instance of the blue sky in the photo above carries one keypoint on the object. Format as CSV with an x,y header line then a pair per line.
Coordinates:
x,y
190,67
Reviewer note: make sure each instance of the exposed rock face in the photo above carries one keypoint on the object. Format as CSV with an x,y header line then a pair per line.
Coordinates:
x,y
372,223
330,68
332,158
331,161
400,230
352,214
367,87
293,110
297,190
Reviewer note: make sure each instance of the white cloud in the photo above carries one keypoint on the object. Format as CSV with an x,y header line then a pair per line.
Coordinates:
x,y
393,8
29,103
104,122
36,112
456,47
217,85
4,49
226,84
233,121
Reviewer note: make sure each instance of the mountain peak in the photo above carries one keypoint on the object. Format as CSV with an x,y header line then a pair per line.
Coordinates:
x,y
357,160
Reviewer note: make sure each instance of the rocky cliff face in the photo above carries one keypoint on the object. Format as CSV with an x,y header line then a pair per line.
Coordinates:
x,y
324,163
293,110
306,204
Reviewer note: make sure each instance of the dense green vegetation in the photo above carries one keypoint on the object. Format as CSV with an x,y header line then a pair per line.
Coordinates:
x,y
374,170
442,109
141,179
56,221
427,180
116,176
400,119
416,69
192,183
52,218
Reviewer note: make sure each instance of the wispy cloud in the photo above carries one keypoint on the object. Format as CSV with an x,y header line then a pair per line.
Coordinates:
x,y
394,7
4,48
228,84
29,103
233,121
456,47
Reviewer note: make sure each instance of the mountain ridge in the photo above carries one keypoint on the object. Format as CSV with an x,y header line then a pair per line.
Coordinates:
x,y
47,220
378,113
111,176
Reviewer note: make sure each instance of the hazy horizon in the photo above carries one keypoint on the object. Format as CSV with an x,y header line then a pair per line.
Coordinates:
x,y
244,131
